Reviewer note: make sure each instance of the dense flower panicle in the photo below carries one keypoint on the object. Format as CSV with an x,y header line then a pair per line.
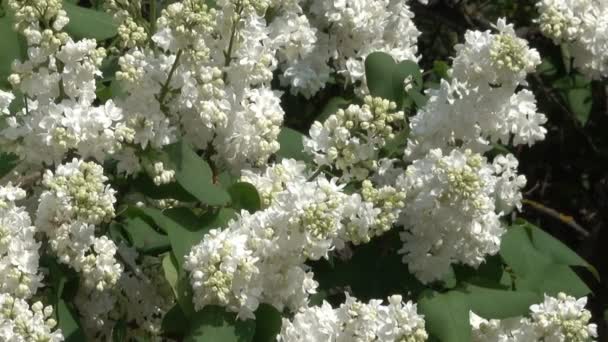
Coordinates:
x,y
251,137
350,140
371,213
481,104
583,26
131,31
515,329
450,213
356,321
19,276
184,25
259,258
20,322
563,318
77,199
5,100
142,297
274,178
499,59
357,28
557,319
58,114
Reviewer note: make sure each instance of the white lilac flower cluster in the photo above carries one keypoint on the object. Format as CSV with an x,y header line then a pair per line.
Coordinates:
x,y
582,25
208,84
350,30
75,202
350,140
259,258
356,321
482,104
58,81
557,319
21,323
450,214
141,295
19,276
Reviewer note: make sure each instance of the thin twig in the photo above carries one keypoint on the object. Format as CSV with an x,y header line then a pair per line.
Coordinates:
x,y
566,219
165,89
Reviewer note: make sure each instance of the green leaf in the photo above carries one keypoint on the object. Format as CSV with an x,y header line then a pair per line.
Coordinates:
x,y
66,321
146,186
441,69
212,323
13,48
268,323
8,161
185,229
536,271
245,196
144,237
379,68
292,145
385,78
171,272
499,304
489,274
64,283
446,316
119,333
374,270
576,91
555,249
175,322
195,175
403,71
88,23
332,107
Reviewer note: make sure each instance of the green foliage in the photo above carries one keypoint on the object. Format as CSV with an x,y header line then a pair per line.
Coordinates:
x,y
7,163
332,106
88,23
12,48
386,79
544,269
446,316
245,196
63,284
268,323
292,145
213,323
143,236
195,175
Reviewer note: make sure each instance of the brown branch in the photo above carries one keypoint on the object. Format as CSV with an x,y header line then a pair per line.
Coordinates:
x,y
565,219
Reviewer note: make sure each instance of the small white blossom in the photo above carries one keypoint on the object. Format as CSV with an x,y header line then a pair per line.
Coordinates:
x,y
21,323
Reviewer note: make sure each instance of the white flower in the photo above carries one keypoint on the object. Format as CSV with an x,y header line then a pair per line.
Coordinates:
x,y
457,113
5,100
498,59
581,24
557,319
356,321
75,201
563,318
449,215
274,178
21,323
253,130
357,28
19,276
314,324
515,329
350,140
